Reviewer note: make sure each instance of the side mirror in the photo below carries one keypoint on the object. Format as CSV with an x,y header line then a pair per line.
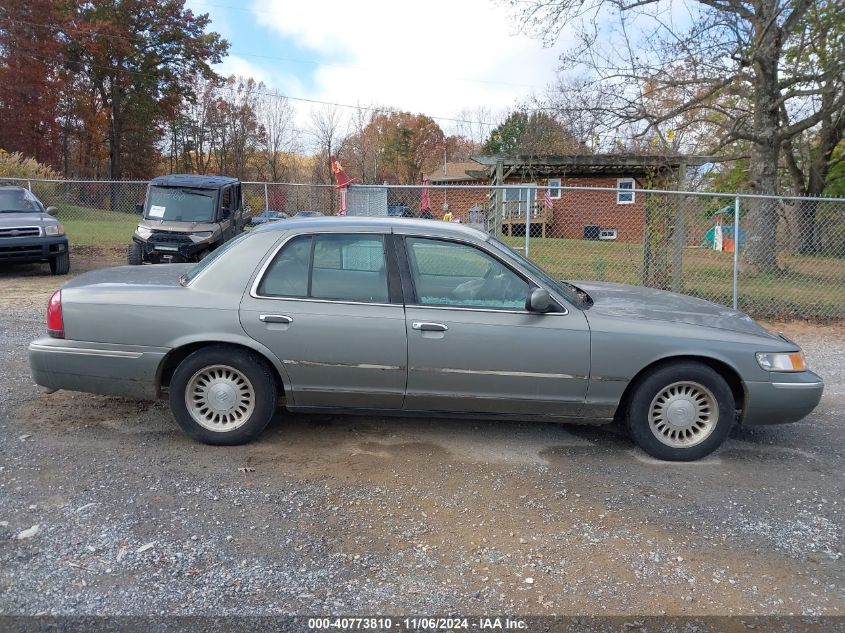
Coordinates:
x,y
139,208
538,300
51,210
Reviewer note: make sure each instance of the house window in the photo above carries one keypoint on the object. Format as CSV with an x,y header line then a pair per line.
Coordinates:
x,y
554,188
625,191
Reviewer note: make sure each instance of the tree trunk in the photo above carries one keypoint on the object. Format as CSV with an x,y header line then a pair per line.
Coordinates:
x,y
761,243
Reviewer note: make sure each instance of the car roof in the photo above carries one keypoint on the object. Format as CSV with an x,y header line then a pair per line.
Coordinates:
x,y
12,188
193,180
332,224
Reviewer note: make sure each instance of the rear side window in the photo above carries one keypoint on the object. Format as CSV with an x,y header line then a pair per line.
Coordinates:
x,y
339,267
287,276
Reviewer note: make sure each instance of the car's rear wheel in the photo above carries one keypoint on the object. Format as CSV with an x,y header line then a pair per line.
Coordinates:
x,y
681,412
60,264
223,395
134,254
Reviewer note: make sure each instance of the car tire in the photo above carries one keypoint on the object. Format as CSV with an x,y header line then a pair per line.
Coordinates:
x,y
60,264
134,255
223,395
681,411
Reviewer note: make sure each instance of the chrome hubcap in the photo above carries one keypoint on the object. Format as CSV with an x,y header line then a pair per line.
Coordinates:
x,y
683,414
220,398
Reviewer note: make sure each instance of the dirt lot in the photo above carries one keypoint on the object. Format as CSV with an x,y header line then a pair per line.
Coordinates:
x,y
363,515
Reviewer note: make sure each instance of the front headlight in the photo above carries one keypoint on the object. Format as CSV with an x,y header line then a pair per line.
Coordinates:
x,y
783,361
54,229
203,234
143,232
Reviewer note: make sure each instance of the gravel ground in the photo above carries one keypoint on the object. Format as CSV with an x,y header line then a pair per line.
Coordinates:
x,y
363,515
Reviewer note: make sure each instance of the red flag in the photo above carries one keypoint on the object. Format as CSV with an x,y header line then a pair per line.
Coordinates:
x,y
547,198
340,176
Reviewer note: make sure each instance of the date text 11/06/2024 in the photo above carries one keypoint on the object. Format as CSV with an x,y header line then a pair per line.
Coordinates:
x,y
418,623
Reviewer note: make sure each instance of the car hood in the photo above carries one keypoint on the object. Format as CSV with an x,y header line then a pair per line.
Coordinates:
x,y
151,275
621,300
30,218
178,227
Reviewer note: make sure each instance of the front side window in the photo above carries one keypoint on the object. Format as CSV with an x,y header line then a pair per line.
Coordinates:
x,y
338,267
452,274
625,193
554,188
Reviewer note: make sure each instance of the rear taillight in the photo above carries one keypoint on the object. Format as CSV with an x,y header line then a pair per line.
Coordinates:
x,y
55,322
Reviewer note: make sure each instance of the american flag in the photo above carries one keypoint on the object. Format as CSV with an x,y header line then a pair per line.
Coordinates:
x,y
547,198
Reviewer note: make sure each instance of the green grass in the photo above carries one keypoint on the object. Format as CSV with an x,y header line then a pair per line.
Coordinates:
x,y
97,227
810,288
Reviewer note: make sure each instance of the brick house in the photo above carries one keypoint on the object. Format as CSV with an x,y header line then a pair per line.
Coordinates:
x,y
574,214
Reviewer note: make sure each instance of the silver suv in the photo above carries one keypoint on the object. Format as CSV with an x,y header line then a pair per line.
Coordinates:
x,y
29,232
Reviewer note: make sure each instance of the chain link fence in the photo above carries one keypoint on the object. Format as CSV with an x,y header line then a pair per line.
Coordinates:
x,y
688,242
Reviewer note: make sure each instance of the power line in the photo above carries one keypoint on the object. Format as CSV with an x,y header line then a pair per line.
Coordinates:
x,y
291,60
274,94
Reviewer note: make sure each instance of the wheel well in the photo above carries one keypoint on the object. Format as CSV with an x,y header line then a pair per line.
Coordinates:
x,y
723,369
175,356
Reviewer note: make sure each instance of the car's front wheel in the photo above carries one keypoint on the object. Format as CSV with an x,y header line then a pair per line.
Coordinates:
x,y
223,395
681,411
134,254
60,264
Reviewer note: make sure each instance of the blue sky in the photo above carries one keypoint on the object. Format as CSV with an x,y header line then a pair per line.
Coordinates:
x,y
440,57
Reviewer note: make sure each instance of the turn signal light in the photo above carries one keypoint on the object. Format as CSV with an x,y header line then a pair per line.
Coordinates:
x,y
55,321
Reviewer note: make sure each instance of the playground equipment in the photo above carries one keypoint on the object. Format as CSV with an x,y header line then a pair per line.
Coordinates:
x,y
723,237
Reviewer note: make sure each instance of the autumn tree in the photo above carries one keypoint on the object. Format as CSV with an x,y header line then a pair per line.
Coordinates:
x,y
277,135
31,78
141,57
730,64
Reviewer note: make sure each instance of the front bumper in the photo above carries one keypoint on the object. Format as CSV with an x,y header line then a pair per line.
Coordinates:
x,y
172,252
114,370
786,397
32,249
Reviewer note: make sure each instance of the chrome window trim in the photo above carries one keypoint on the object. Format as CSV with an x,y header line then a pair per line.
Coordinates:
x,y
84,351
253,291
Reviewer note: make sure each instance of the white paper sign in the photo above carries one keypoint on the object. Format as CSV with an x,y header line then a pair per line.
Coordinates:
x,y
156,211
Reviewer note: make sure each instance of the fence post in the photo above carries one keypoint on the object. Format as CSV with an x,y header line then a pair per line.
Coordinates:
x,y
266,198
678,255
527,223
29,185
736,254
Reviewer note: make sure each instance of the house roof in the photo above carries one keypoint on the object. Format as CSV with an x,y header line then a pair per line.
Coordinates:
x,y
458,171
588,164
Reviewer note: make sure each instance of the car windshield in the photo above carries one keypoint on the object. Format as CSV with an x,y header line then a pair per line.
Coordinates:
x,y
563,288
178,204
18,201
189,276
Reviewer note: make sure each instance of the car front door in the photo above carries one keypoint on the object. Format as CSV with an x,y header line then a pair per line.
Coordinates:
x,y
330,307
472,345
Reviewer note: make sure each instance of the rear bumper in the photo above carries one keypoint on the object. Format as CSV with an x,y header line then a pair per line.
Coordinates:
x,y
107,369
787,397
31,249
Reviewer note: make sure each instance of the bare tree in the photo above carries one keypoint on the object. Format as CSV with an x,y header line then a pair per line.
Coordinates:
x,y
327,128
728,63
278,137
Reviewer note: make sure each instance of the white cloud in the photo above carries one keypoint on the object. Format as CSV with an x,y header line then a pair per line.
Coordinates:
x,y
437,57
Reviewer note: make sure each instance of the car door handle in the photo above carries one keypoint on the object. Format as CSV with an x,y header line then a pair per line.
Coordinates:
x,y
428,327
275,318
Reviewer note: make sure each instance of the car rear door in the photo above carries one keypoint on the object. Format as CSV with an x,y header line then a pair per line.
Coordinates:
x,y
472,345
329,305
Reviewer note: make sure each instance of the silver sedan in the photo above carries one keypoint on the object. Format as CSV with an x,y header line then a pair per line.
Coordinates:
x,y
367,315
